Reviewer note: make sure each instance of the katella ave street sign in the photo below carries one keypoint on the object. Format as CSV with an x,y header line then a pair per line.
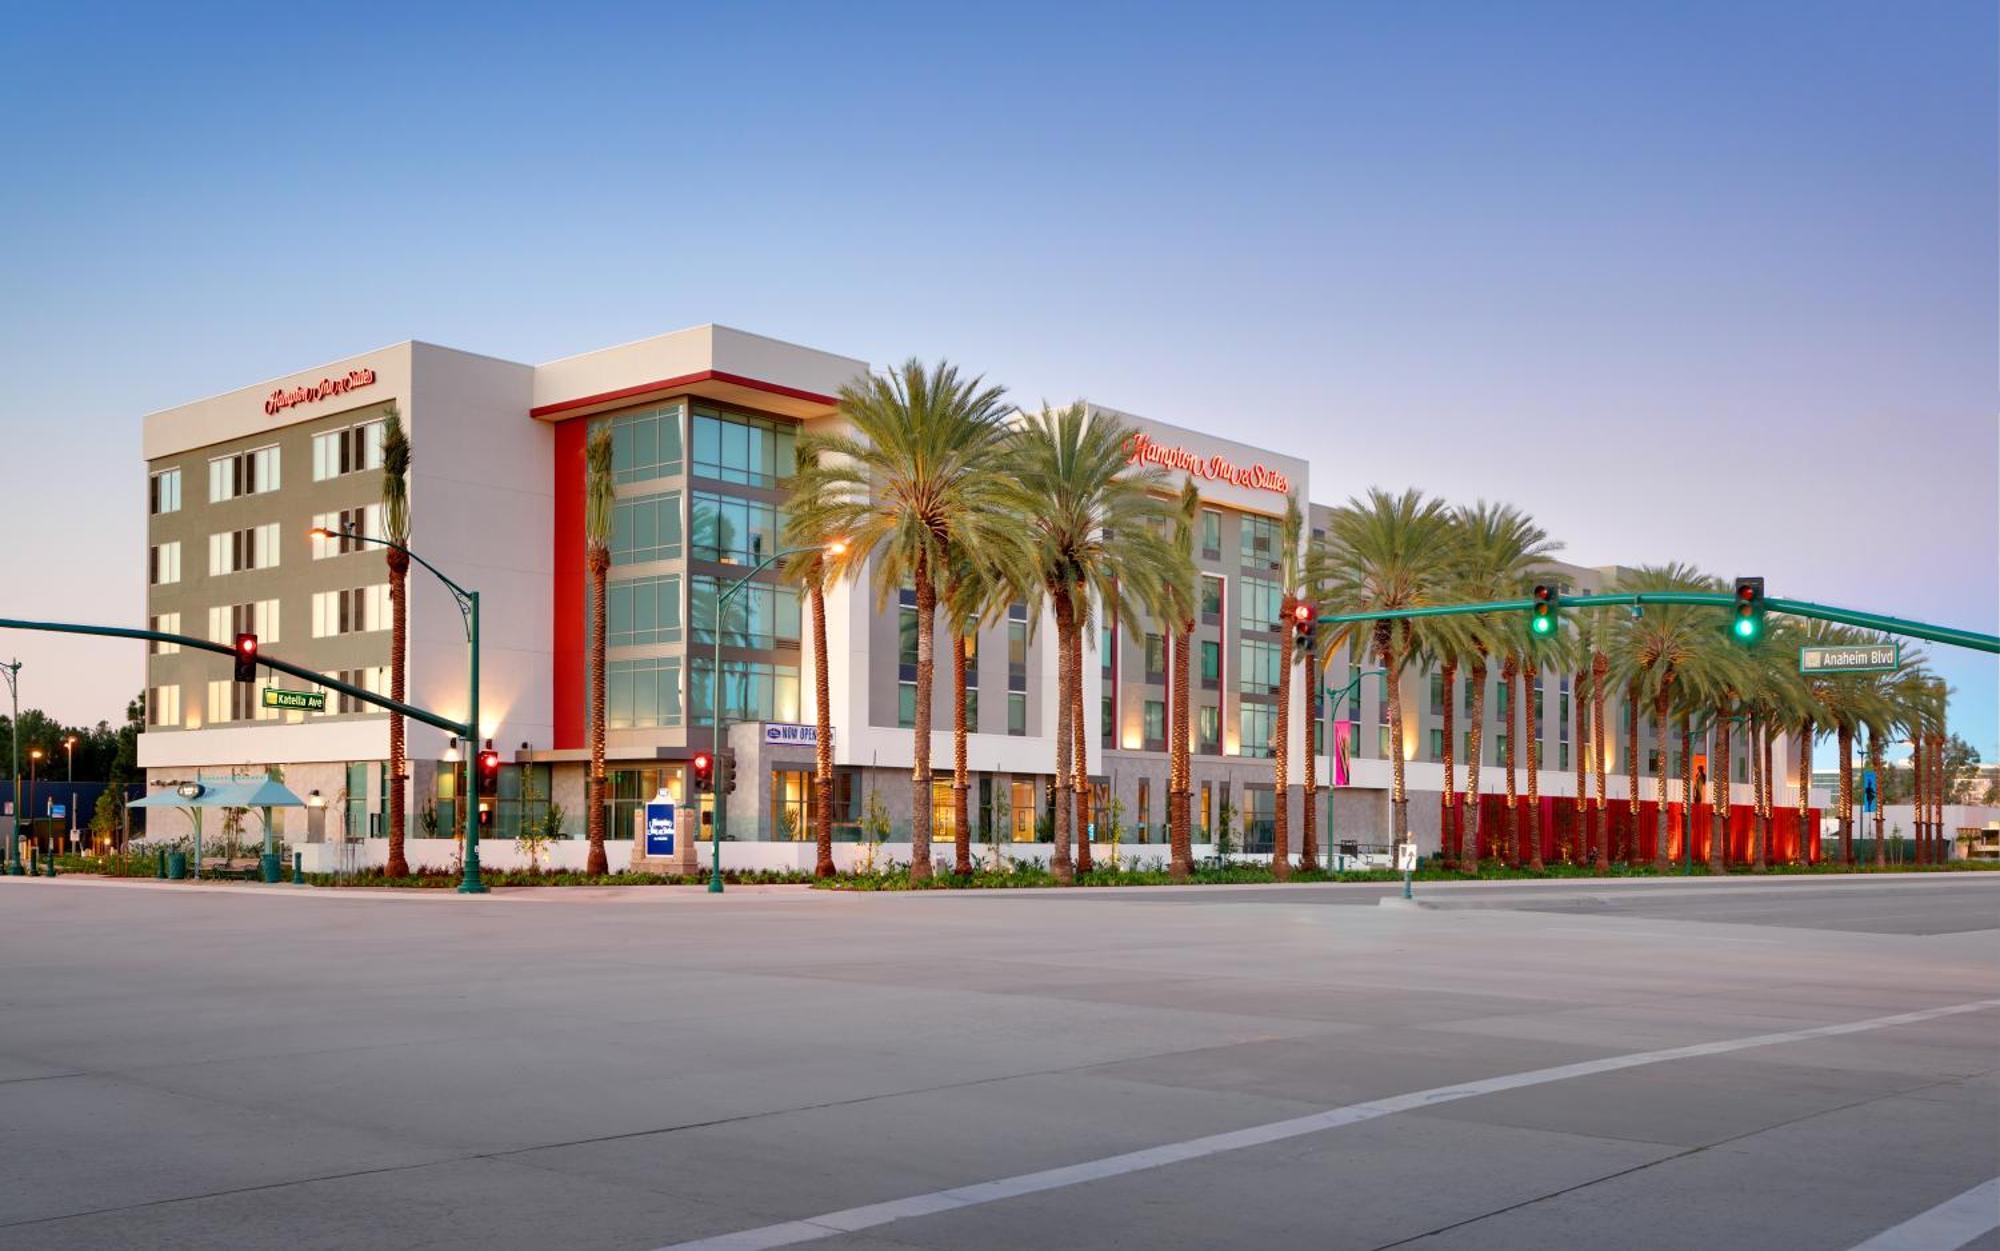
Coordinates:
x,y
303,701
1861,658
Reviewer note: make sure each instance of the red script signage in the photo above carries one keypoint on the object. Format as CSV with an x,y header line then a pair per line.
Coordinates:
x,y
1257,477
324,389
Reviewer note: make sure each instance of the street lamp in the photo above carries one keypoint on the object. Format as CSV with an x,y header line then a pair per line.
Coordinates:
x,y
13,671
69,763
34,763
468,608
833,548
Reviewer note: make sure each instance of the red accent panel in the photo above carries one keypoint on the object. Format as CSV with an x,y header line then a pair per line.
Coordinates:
x,y
566,597
706,375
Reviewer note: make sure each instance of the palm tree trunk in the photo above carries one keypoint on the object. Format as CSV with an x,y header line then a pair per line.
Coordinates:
x,y
1628,844
1080,756
1451,838
1845,736
1309,833
1718,835
1399,800
1281,765
1475,746
399,646
1059,860
1531,719
1803,768
1660,702
1688,796
1179,833
960,779
1580,825
1600,668
822,738
599,559
1509,672
1757,835
920,733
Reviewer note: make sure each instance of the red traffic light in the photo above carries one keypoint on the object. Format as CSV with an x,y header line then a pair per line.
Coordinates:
x,y
246,658
704,770
1302,613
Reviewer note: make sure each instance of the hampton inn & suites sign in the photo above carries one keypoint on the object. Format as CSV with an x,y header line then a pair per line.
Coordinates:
x,y
312,393
1144,451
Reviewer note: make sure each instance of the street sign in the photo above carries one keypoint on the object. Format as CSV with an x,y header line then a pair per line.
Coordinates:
x,y
1863,658
784,732
58,810
304,701
660,827
1406,857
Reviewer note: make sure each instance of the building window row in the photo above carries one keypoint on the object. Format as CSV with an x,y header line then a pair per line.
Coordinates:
x,y
236,701
245,473
734,531
163,492
646,444
165,623
226,621
1261,540
759,614
349,450
751,690
1259,605
163,564
749,451
359,610
163,706
347,531
639,611
238,551
642,693
646,528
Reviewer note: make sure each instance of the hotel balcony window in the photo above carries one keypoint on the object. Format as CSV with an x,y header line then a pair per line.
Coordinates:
x,y
1256,723
734,531
356,611
646,528
1155,725
163,706
245,473
1258,672
1017,713
753,690
1211,600
1208,730
1259,605
1211,534
760,614
1260,542
236,551
749,451
338,452
639,611
645,444
226,621
163,492
1211,665
362,523
1156,658
163,564
642,694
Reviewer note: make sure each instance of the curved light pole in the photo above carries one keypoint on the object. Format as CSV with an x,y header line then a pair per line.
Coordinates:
x,y
469,882
34,764
721,780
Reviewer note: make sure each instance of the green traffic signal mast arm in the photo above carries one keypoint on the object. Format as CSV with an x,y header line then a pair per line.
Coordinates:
x,y
1708,599
411,711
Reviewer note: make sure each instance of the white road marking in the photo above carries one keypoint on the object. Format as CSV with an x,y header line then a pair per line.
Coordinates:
x,y
1947,1226
848,1220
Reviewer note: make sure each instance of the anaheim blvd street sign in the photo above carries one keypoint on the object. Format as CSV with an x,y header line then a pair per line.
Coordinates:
x,y
1863,658
303,701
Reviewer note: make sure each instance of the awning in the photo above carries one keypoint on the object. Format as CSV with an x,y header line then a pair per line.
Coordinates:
x,y
257,793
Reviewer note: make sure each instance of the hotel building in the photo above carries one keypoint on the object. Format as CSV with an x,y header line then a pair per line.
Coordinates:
x,y
704,425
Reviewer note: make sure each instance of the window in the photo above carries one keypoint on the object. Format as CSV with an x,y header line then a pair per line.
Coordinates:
x,y
165,623
524,800
1017,713
163,706
1500,748
163,564
1382,742
245,473
350,450
642,693
643,610
1260,818
1156,658
1562,756
1208,730
348,530
235,551
163,492
1017,647
1562,714
1107,650
1211,600
751,690
1204,811
1106,722
236,701
734,531
751,451
356,611
1145,808
646,444
971,707
760,614
1505,693
1437,694
1259,605
793,801
1156,725
1259,669
646,527
906,704
374,678
226,621
1260,543
1256,723
1437,745
1211,664
1211,534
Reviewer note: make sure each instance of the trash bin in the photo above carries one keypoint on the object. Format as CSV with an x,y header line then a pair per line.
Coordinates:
x,y
177,866
269,863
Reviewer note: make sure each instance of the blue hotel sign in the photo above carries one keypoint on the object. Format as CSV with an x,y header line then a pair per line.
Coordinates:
x,y
660,828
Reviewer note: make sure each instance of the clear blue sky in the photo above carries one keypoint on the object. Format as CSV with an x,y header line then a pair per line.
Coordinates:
x,y
1710,282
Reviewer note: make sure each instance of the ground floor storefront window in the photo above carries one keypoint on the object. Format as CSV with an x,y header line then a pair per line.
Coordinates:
x,y
793,811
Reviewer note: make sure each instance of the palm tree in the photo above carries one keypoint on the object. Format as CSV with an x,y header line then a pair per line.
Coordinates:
x,y
975,596
1540,654
1600,672
921,480
1177,609
1289,532
599,494
1384,552
1097,532
1652,652
1475,752
1580,817
812,566
1510,675
396,529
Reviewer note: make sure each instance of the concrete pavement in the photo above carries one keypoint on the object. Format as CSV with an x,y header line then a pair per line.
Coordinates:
x,y
232,1067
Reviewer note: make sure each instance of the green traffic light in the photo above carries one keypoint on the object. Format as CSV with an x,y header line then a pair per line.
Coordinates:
x,y
1542,625
1746,628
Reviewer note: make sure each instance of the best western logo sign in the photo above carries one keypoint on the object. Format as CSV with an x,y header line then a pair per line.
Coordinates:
x,y
324,389
1144,451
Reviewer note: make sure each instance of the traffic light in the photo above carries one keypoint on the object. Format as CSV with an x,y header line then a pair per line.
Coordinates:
x,y
704,771
1303,619
726,766
1542,617
489,770
1748,625
485,815
246,658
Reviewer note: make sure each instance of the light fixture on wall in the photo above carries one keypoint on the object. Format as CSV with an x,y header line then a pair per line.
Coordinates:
x,y
315,800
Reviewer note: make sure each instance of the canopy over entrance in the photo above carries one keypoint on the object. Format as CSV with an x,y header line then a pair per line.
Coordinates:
x,y
254,793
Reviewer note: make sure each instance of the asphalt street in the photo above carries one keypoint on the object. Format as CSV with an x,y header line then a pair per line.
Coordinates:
x,y
1778,1063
